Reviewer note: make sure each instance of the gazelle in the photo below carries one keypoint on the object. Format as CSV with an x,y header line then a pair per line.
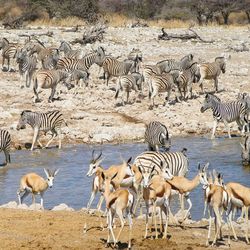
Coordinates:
x,y
117,202
185,186
35,184
240,197
157,191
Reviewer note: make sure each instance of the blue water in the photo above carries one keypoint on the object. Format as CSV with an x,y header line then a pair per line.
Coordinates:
x,y
72,187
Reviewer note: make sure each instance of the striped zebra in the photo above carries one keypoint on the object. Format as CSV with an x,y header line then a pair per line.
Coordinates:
x,y
9,51
50,60
113,67
148,71
212,71
186,79
156,135
244,97
48,79
5,141
226,112
245,153
69,52
84,64
127,83
135,54
42,122
27,65
171,64
162,83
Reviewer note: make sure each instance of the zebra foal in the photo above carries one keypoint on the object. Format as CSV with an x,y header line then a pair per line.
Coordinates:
x,y
156,135
212,71
27,65
5,141
48,79
42,122
127,83
225,112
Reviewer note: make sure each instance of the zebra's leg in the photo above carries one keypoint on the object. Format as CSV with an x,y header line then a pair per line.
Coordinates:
x,y
3,60
36,91
41,145
8,62
35,137
214,129
216,84
7,157
53,91
228,129
127,96
201,85
52,138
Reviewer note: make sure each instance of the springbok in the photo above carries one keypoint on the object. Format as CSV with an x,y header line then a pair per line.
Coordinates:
x,y
35,184
157,191
116,203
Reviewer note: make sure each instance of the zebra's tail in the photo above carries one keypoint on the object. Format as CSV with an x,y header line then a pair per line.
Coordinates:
x,y
150,89
118,87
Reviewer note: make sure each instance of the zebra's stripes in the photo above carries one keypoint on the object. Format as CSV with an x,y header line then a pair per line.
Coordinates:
x,y
176,162
156,135
171,64
69,52
245,153
244,97
27,65
49,121
9,51
186,79
226,112
5,141
84,64
50,61
148,71
135,54
44,79
212,71
113,67
162,83
127,83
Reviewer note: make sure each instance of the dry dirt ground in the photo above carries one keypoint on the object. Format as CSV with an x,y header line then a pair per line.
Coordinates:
x,y
93,115
20,229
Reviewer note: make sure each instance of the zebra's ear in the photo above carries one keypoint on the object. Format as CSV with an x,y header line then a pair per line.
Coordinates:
x,y
206,166
103,176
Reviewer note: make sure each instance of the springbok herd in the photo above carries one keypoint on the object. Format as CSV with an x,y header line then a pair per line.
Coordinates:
x,y
156,175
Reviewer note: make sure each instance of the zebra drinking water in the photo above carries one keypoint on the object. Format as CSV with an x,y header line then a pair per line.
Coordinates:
x,y
225,112
5,141
49,121
156,135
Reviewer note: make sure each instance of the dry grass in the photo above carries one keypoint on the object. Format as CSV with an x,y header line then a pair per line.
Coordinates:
x,y
64,22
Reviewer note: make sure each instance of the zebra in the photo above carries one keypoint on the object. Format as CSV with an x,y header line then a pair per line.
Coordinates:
x,y
5,141
84,64
45,79
156,135
148,71
9,51
27,65
78,75
245,153
50,61
127,83
162,83
212,71
186,78
135,54
225,112
244,97
69,52
42,122
113,67
171,64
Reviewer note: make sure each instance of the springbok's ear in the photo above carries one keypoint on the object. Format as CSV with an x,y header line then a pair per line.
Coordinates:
x,y
56,172
103,176
206,166
139,168
199,166
129,160
153,169
46,172
114,176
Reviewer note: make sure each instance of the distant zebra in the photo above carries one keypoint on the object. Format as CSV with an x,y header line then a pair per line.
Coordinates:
x,y
45,122
84,64
113,67
176,162
162,83
5,141
80,76
226,112
127,83
27,65
156,135
244,97
245,153
48,79
69,52
9,51
135,54
171,64
186,79
212,71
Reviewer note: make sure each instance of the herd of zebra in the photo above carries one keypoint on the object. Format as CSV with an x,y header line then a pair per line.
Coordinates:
x,y
156,174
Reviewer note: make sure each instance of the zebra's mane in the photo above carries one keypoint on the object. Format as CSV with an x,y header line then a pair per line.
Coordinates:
x,y
187,56
4,38
26,111
191,65
214,97
219,58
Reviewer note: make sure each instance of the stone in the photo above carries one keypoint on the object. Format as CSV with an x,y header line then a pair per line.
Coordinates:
x,y
62,207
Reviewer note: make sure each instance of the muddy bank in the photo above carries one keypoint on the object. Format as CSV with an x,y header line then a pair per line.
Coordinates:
x,y
23,229
93,114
